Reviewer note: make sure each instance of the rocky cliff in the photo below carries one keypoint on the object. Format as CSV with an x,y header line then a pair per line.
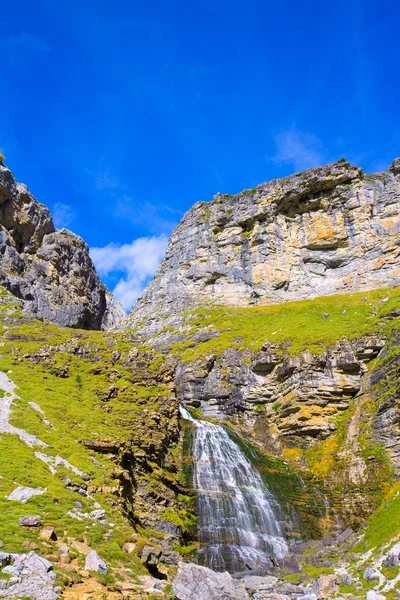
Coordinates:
x,y
327,230
49,269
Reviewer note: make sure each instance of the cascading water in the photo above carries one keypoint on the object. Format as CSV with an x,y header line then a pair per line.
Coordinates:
x,y
238,526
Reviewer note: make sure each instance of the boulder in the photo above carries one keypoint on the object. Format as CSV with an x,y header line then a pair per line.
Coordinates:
x,y
48,533
32,577
150,555
30,521
23,494
327,585
370,574
373,595
258,583
95,563
193,582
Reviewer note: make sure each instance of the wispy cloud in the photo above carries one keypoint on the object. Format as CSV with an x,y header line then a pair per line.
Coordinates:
x,y
158,218
137,262
298,148
63,215
17,49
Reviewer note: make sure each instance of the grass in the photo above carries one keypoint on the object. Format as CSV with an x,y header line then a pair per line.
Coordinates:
x,y
139,418
384,524
295,326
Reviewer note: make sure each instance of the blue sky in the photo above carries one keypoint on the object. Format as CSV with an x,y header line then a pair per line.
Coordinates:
x,y
120,115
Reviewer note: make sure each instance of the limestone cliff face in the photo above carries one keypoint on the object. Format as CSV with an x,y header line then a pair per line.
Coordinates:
x,y
49,269
324,231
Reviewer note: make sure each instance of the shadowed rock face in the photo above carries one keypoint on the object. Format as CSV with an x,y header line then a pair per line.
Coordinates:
x,y
49,269
328,230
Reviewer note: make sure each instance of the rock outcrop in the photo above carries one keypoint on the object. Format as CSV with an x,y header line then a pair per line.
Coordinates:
x,y
297,395
49,269
327,230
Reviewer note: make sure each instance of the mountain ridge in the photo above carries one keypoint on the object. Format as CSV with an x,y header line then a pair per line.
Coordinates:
x,y
49,269
327,230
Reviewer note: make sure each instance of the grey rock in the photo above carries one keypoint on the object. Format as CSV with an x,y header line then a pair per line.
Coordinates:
x,y
23,494
193,582
289,588
258,583
30,521
32,577
346,579
307,597
97,514
63,550
370,574
5,559
95,563
49,269
150,555
372,595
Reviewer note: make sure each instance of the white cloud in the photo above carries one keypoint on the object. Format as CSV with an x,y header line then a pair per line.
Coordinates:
x,y
137,261
63,215
300,149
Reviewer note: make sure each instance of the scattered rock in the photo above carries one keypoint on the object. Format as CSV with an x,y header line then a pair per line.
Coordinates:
x,y
193,582
372,595
129,547
23,494
327,585
95,563
150,555
370,574
97,514
30,521
48,533
31,577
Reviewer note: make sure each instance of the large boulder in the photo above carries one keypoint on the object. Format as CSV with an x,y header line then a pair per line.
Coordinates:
x,y
193,582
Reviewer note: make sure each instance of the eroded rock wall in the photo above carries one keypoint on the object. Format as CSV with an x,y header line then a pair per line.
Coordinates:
x,y
49,269
324,231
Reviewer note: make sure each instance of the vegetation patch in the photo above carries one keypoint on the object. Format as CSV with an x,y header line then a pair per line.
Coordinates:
x,y
305,324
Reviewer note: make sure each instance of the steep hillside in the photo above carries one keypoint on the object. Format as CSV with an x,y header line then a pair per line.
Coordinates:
x,y
328,230
245,327
49,269
89,457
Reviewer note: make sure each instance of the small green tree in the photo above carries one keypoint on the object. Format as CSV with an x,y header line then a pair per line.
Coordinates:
x,y
2,157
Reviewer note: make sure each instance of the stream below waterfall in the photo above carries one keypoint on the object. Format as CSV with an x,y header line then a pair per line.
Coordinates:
x,y
238,518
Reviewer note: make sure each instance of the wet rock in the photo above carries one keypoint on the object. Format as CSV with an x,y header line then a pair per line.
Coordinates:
x,y
30,521
95,563
193,582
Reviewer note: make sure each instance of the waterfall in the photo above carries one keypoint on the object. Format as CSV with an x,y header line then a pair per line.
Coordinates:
x,y
238,526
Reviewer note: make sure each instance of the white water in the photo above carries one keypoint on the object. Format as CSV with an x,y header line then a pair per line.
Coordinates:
x,y
237,516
